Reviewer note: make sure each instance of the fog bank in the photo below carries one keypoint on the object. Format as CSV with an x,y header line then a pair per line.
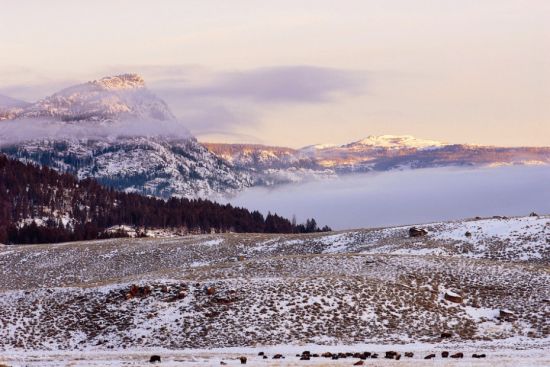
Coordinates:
x,y
405,197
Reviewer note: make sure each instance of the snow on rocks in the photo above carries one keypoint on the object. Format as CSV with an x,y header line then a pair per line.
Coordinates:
x,y
417,232
453,297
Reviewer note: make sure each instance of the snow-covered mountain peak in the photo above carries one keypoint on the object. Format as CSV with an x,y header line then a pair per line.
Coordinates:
x,y
397,142
377,142
120,97
118,82
315,147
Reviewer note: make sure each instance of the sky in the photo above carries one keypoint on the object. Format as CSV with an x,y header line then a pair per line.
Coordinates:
x,y
298,72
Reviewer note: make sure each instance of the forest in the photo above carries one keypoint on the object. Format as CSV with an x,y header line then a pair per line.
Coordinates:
x,y
41,205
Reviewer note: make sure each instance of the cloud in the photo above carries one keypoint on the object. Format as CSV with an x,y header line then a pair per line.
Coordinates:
x,y
35,91
206,101
228,137
6,101
409,196
221,102
19,130
209,117
283,84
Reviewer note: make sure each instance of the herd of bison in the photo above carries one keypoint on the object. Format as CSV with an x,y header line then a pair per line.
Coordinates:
x,y
361,356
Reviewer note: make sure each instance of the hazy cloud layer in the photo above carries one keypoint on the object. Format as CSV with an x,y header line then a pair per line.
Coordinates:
x,y
285,84
6,101
19,130
36,89
222,101
409,197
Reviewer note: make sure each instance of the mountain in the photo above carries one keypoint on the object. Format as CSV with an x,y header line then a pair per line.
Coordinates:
x,y
10,107
117,131
40,205
270,165
382,142
110,98
377,153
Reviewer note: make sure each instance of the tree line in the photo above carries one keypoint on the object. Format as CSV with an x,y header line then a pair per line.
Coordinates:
x,y
41,205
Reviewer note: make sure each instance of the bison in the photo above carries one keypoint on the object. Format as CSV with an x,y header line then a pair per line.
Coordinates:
x,y
478,355
154,359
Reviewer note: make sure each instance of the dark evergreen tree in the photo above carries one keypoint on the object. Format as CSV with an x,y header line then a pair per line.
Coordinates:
x,y
30,196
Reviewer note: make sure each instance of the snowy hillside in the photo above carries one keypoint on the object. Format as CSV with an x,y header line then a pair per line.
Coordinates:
x,y
394,142
154,166
376,286
500,238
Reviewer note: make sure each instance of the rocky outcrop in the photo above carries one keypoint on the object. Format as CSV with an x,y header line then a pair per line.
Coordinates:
x,y
453,297
506,315
417,232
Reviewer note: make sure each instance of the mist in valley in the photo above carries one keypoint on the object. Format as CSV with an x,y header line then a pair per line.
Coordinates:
x,y
409,196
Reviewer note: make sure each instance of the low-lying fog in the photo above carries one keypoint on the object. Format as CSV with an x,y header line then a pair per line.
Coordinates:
x,y
406,197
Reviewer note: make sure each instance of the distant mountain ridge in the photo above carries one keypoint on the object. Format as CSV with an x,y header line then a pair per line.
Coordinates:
x,y
379,153
382,141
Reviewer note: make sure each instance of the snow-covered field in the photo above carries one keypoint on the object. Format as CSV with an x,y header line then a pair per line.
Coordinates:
x,y
197,300
514,353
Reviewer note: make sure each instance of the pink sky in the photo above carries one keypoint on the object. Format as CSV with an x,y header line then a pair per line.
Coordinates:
x,y
301,72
